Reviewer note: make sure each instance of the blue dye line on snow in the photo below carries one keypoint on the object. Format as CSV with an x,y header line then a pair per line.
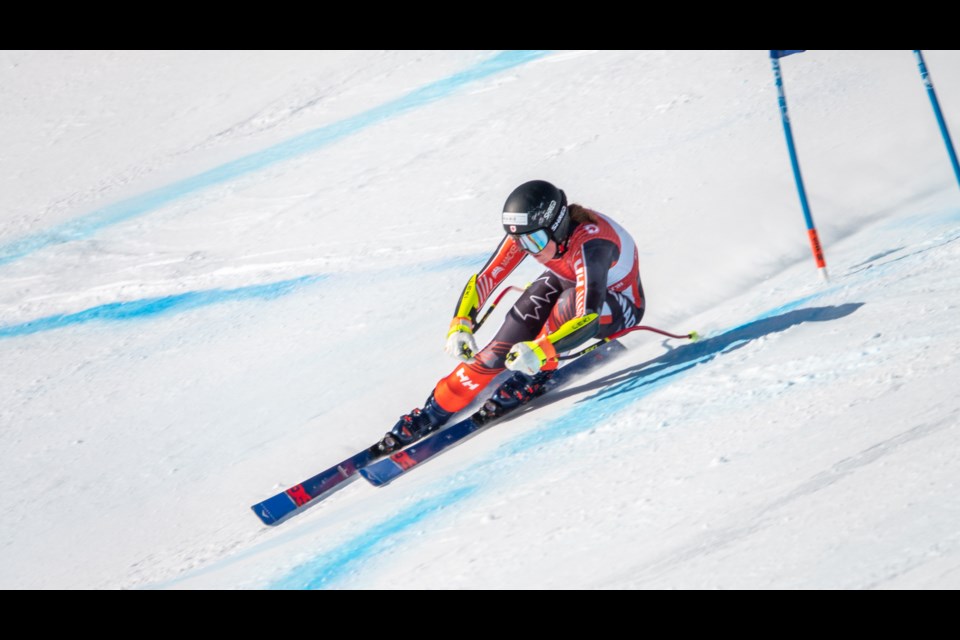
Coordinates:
x,y
184,302
336,564
614,392
135,309
90,224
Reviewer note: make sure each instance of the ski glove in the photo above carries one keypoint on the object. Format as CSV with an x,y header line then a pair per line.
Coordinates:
x,y
460,342
532,356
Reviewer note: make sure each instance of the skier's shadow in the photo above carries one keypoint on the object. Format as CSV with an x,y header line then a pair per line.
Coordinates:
x,y
684,358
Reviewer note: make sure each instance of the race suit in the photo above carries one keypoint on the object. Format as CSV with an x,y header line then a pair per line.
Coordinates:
x,y
591,290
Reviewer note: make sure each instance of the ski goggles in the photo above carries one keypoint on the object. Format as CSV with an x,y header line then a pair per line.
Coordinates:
x,y
534,242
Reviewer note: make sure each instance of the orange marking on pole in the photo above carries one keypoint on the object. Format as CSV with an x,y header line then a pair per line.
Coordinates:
x,y
817,250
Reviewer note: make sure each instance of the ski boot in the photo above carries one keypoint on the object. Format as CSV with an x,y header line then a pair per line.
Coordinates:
x,y
515,391
414,426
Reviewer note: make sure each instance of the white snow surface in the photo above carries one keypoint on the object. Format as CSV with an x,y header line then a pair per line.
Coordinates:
x,y
290,232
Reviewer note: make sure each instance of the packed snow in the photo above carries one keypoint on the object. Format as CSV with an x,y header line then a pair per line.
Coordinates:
x,y
221,273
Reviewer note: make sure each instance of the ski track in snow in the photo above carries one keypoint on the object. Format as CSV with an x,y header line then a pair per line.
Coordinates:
x,y
765,515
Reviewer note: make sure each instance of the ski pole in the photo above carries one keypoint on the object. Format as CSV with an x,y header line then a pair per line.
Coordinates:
x,y
693,336
493,306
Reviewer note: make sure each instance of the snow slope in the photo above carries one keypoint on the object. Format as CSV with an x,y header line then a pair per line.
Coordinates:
x,y
222,272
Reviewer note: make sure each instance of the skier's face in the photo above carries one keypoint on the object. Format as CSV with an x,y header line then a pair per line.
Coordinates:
x,y
548,253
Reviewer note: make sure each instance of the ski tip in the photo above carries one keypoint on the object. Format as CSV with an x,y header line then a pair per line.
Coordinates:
x,y
264,514
275,510
694,336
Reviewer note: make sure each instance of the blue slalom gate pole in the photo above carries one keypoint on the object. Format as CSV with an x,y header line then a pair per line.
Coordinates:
x,y
928,83
775,56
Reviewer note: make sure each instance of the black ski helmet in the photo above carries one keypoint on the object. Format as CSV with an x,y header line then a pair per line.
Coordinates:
x,y
537,205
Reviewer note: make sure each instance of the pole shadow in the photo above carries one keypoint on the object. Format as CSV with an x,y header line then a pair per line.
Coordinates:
x,y
690,355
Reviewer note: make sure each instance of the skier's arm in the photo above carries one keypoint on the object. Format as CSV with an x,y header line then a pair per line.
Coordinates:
x,y
481,285
460,342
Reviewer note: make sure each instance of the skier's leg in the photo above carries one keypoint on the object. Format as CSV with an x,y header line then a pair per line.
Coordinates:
x,y
523,322
457,390
618,313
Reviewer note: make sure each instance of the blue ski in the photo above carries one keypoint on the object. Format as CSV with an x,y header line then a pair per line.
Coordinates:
x,y
383,471
297,498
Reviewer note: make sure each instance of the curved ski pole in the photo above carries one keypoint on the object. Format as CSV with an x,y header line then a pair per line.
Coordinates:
x,y
494,304
692,336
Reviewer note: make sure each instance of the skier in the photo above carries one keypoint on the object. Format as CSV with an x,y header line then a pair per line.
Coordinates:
x,y
590,289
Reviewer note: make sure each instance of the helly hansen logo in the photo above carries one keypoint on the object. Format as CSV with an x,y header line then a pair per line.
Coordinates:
x,y
465,381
